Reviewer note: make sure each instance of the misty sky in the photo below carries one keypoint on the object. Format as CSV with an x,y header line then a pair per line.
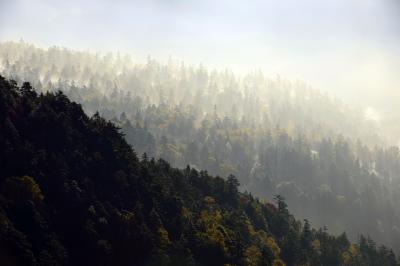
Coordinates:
x,y
349,47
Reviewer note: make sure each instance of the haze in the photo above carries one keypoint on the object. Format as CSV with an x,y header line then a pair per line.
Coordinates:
x,y
347,47
200,132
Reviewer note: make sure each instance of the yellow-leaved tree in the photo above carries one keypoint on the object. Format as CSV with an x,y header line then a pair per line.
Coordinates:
x,y
22,188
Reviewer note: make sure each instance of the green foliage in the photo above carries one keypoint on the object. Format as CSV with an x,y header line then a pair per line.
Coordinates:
x,y
73,192
273,135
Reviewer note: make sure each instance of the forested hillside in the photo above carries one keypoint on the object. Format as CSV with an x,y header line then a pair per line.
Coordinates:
x,y
276,136
73,192
255,98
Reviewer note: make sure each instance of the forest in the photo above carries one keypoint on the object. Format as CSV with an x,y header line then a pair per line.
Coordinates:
x,y
74,192
332,166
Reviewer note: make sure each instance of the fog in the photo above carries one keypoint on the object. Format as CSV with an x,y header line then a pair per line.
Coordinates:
x,y
297,98
348,48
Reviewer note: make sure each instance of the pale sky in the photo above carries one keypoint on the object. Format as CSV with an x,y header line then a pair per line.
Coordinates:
x,y
348,47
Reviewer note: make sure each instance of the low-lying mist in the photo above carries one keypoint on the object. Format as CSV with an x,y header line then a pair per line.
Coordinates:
x,y
347,48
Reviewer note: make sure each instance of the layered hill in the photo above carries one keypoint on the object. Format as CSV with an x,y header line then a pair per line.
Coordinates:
x,y
73,192
275,136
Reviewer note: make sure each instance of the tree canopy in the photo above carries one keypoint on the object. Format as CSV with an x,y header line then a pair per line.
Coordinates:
x,y
73,192
274,135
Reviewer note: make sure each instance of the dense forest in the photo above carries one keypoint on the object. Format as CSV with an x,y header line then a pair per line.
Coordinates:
x,y
277,137
73,192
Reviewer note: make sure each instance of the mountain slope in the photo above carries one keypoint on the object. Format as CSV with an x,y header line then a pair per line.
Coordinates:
x,y
72,192
118,81
276,136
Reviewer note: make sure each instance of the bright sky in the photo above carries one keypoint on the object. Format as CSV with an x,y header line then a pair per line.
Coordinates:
x,y
348,47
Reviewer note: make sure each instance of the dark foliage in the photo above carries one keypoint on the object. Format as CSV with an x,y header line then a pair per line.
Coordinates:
x,y
73,192
328,159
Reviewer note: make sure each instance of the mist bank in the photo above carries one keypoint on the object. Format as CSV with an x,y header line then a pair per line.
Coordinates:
x,y
348,48
277,136
379,116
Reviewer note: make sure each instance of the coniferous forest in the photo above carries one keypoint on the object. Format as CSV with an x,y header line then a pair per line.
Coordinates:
x,y
277,137
199,133
73,192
